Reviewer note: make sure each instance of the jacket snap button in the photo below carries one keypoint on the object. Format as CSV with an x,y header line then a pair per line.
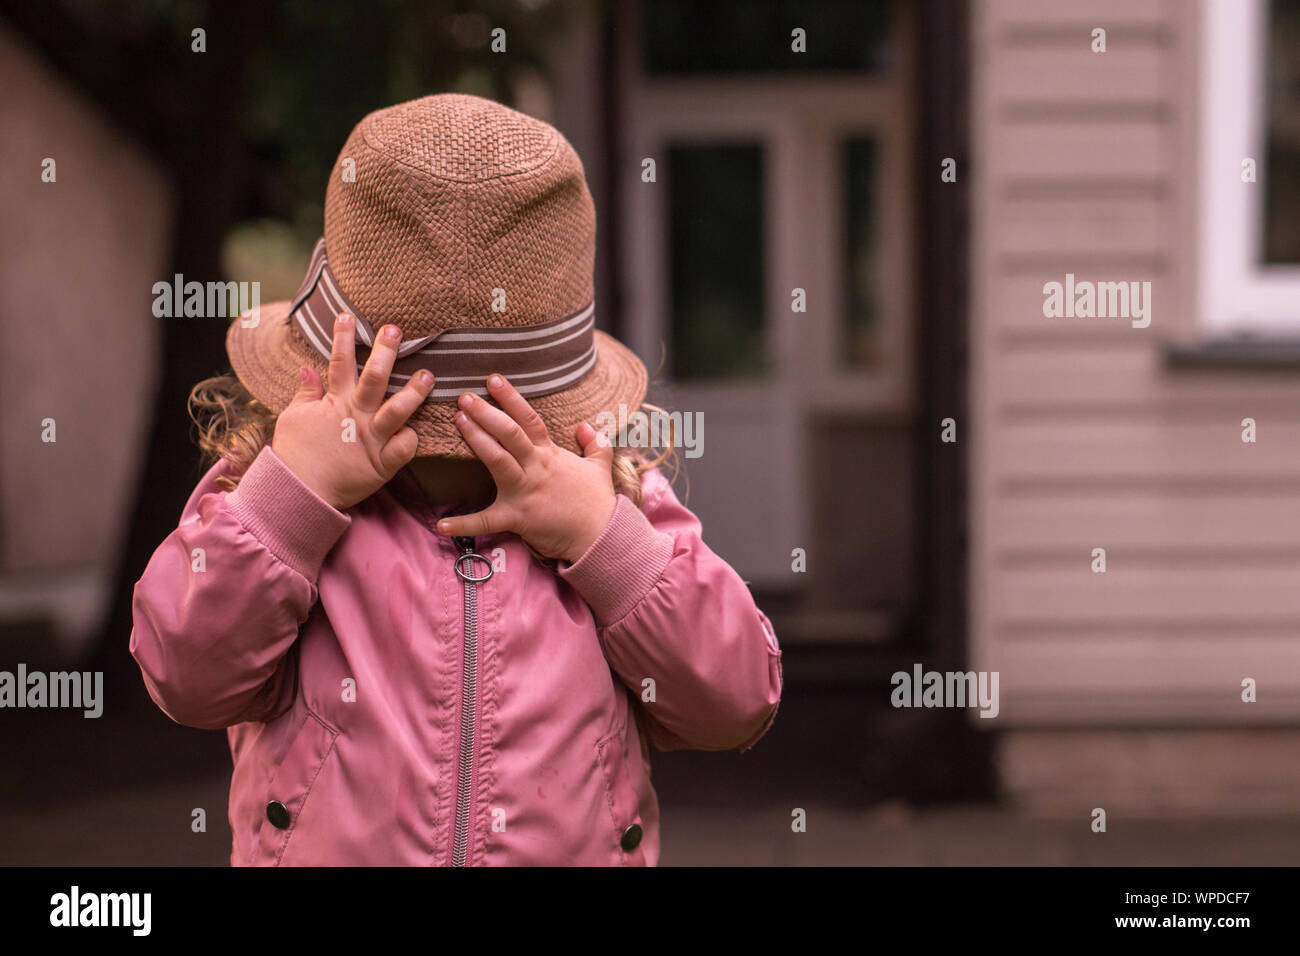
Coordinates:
x,y
631,838
278,814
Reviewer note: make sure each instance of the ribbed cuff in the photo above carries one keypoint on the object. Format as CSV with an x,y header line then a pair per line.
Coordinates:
x,y
292,521
622,565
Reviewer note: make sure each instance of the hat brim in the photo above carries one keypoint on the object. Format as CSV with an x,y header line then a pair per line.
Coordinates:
x,y
266,357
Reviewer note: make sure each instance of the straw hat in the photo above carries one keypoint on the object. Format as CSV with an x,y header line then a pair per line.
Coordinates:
x,y
469,226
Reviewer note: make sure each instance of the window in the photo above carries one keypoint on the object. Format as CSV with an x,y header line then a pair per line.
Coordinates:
x,y
1282,136
715,245
682,36
859,344
1249,266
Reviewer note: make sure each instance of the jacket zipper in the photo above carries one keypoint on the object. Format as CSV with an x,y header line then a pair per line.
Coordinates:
x,y
470,580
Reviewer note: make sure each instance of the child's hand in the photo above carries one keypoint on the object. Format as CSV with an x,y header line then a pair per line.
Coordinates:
x,y
345,443
554,500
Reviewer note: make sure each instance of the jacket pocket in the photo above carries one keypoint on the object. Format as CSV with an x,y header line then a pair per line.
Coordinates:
x,y
621,796
272,782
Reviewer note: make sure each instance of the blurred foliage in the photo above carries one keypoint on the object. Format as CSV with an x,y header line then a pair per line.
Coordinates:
x,y
268,251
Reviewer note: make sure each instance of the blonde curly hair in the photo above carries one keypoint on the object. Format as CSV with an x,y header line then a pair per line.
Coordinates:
x,y
233,426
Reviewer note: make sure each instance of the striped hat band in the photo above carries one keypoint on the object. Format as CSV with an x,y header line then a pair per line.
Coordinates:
x,y
538,359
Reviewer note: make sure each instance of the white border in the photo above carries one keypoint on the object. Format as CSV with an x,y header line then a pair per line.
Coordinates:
x,y
1236,293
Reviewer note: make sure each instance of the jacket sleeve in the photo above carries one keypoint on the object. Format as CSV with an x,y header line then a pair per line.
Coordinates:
x,y
669,609
220,602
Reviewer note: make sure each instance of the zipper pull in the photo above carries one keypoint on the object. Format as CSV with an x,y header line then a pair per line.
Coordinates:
x,y
465,561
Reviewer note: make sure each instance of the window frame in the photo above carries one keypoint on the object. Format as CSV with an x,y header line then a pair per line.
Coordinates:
x,y
1238,294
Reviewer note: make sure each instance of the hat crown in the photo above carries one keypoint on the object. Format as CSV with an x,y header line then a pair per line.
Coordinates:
x,y
461,138
453,211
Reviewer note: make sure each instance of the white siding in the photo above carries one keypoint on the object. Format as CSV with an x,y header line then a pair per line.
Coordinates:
x,y
1083,438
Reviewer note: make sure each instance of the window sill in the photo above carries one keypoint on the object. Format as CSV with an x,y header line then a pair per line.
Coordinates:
x,y
1235,353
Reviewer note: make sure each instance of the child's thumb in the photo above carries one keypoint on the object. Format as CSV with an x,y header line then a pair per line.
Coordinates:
x,y
309,386
594,444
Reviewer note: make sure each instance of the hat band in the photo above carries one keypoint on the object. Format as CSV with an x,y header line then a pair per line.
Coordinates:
x,y
538,359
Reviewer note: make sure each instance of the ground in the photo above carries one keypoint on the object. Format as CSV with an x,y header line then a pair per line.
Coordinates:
x,y
122,827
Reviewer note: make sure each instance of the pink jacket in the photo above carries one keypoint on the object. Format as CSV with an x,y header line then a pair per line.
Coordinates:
x,y
384,710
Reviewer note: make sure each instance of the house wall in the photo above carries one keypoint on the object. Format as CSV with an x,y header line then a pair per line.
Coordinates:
x,y
1084,438
77,341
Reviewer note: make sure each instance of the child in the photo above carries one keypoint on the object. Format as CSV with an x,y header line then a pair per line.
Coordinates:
x,y
439,615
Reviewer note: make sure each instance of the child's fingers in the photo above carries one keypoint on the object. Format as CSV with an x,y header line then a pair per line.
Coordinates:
x,y
491,520
372,386
594,444
343,357
309,386
393,414
500,463
517,407
500,426
398,451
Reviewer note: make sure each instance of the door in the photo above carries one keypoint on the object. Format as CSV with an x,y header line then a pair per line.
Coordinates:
x,y
767,254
